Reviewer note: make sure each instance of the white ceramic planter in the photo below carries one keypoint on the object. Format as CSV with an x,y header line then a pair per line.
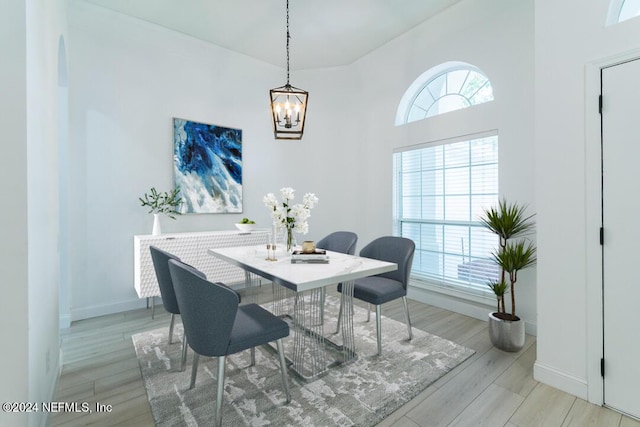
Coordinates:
x,y
507,335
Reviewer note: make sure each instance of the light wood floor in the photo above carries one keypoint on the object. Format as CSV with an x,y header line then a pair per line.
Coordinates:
x,y
492,388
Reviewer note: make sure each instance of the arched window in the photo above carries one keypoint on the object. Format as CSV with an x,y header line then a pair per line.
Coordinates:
x,y
441,187
447,87
621,10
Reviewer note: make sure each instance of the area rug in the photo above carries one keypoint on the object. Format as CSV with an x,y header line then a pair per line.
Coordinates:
x,y
360,393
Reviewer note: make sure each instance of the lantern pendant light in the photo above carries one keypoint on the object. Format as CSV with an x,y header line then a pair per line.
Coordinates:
x,y
288,105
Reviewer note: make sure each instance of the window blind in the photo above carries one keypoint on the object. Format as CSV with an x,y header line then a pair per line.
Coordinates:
x,y
440,192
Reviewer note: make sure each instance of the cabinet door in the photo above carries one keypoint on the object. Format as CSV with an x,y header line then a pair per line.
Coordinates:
x,y
184,247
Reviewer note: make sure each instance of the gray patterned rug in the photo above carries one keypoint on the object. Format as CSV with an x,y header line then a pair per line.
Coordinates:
x,y
361,393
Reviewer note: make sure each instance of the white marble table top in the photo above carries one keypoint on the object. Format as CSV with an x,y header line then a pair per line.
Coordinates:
x,y
302,277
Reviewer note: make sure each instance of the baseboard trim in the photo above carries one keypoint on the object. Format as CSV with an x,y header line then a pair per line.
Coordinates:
x,y
561,380
470,307
117,307
104,309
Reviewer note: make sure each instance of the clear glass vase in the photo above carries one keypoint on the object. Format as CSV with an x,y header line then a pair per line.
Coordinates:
x,y
289,240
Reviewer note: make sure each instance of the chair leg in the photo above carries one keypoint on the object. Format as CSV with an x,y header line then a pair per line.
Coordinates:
x,y
221,362
406,313
339,316
368,312
379,329
322,297
283,370
253,356
171,325
194,370
183,360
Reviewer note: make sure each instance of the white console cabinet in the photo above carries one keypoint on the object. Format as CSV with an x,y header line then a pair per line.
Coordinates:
x,y
191,248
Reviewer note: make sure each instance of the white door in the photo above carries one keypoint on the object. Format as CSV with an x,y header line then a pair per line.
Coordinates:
x,y
621,243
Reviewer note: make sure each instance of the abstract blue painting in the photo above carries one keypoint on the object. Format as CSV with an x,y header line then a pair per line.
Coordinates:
x,y
207,163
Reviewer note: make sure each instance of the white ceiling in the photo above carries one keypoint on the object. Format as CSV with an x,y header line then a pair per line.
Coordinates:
x,y
324,33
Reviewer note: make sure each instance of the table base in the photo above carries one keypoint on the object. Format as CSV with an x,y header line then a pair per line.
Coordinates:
x,y
314,353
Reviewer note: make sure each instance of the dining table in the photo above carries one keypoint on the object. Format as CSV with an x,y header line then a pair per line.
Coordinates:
x,y
305,282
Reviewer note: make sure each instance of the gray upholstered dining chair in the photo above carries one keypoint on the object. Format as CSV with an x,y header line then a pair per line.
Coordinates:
x,y
160,260
338,241
217,326
388,286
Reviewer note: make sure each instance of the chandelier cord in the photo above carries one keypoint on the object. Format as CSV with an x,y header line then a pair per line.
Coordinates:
x,y
288,37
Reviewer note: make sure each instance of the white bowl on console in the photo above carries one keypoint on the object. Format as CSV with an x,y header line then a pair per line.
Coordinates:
x,y
245,228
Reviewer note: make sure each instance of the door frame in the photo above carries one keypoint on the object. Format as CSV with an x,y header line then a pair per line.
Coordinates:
x,y
593,221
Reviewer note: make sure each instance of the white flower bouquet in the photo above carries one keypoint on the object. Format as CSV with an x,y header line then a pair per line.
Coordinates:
x,y
289,216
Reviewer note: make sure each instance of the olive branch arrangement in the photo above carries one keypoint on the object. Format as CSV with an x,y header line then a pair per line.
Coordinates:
x,y
162,203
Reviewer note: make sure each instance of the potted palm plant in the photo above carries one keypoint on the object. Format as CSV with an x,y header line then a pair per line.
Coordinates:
x,y
161,203
514,252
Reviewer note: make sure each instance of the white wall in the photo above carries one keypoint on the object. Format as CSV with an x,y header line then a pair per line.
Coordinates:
x,y
497,37
569,39
45,24
28,111
13,215
128,79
